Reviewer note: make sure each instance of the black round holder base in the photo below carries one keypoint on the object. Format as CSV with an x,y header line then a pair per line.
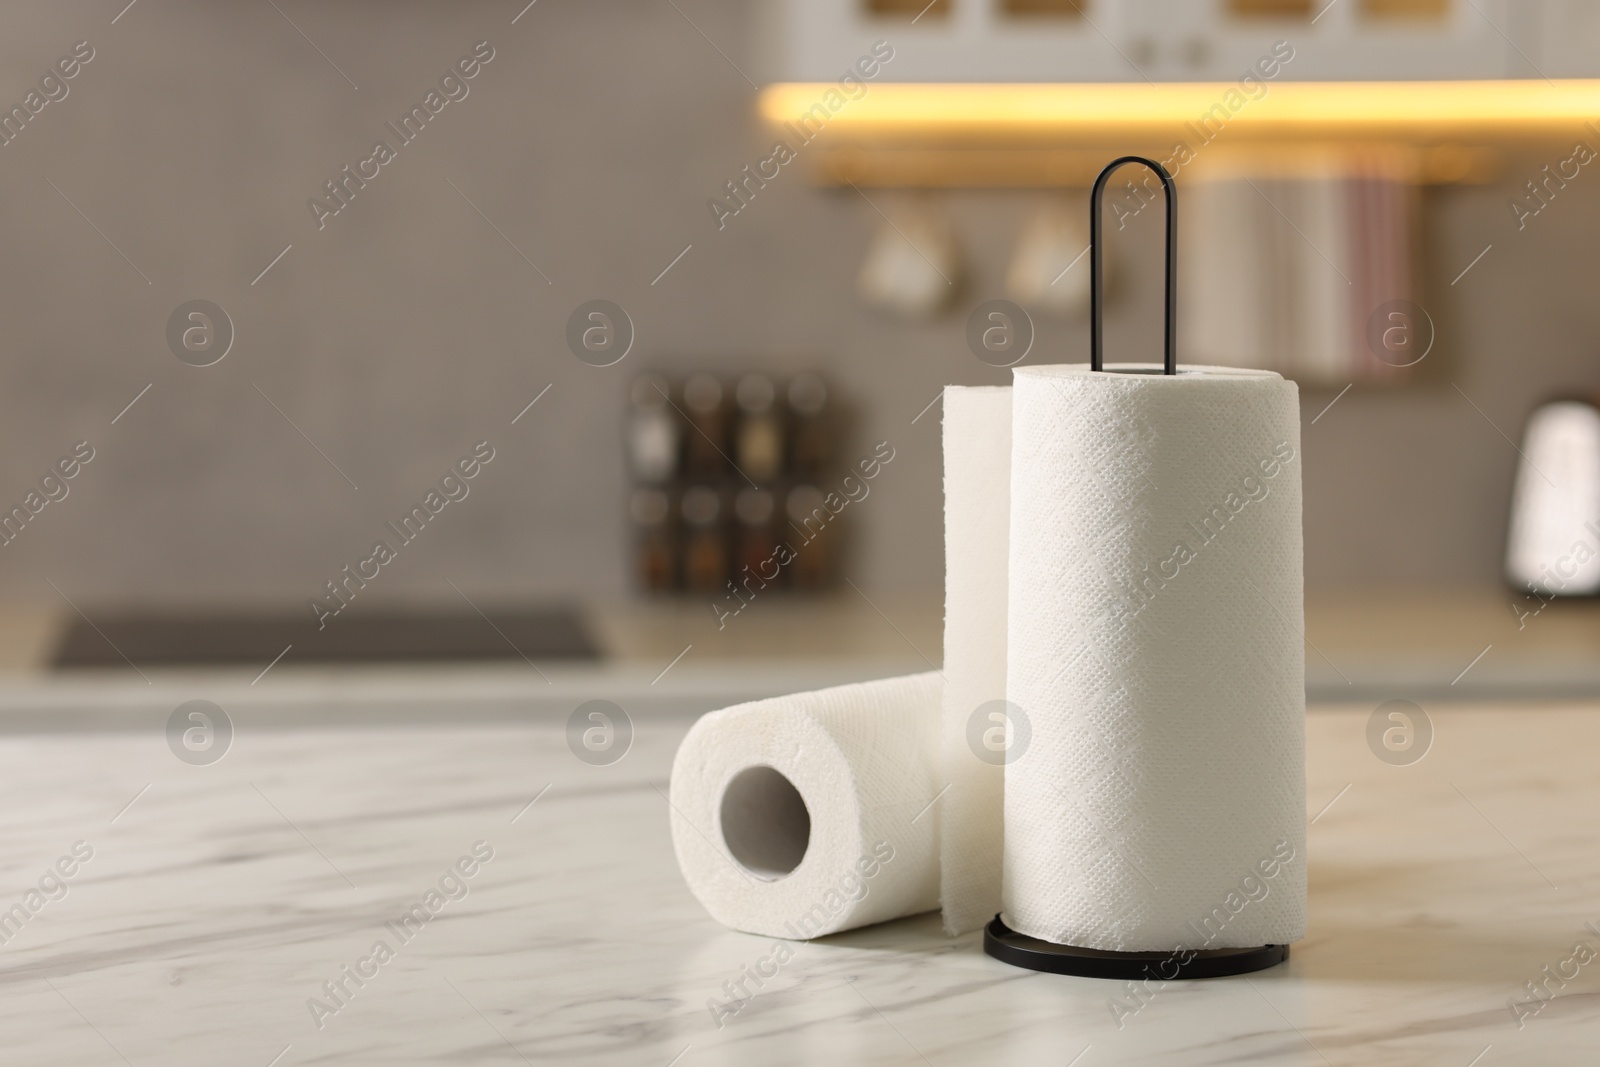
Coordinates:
x,y
1020,950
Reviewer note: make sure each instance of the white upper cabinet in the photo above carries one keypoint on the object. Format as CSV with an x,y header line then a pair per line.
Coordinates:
x,y
1568,39
1182,40
950,41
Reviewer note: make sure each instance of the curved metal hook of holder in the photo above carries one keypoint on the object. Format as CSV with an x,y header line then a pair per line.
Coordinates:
x,y
1096,335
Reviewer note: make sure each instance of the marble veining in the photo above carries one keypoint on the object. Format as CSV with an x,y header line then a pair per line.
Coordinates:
x,y
218,903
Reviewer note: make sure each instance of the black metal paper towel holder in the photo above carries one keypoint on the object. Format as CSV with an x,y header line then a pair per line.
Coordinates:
x,y
1181,962
1097,267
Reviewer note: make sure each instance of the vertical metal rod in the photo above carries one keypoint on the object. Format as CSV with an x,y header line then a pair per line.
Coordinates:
x,y
1096,269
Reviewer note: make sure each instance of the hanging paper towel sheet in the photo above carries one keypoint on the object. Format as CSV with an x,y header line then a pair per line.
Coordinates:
x,y
977,502
863,760
1155,647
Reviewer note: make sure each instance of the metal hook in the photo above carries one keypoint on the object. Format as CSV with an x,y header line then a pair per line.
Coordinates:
x,y
1096,338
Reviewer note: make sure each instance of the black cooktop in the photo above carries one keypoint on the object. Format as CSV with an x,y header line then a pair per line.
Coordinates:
x,y
375,637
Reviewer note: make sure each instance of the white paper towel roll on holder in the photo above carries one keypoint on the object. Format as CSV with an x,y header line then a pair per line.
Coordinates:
x,y
999,940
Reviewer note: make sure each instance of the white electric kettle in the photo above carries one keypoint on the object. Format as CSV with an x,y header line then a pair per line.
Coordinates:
x,y
1554,544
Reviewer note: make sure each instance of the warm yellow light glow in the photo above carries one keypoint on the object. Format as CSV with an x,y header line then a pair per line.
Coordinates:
x,y
1084,112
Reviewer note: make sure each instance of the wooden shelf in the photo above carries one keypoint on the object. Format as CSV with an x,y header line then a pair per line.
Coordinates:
x,y
890,167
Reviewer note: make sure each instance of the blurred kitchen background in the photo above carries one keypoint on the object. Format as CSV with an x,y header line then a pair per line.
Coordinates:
x,y
582,165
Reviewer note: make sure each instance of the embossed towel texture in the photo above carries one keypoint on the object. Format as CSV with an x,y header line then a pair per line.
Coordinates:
x,y
1155,626
809,814
977,516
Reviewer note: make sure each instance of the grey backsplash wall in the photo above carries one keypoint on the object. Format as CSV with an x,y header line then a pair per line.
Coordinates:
x,y
407,328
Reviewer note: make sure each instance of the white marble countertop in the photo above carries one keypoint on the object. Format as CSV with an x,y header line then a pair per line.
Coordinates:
x,y
219,899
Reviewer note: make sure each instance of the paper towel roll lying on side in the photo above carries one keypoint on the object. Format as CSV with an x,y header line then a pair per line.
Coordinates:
x,y
1155,647
806,815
